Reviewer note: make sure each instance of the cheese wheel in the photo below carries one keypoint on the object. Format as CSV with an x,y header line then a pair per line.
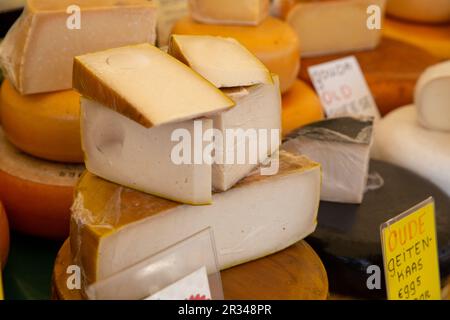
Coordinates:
x,y
391,81
432,97
433,38
428,11
4,238
37,194
399,139
301,106
44,125
273,42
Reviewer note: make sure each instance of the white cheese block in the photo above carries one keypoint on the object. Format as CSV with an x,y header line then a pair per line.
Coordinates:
x,y
342,147
113,227
257,112
242,12
432,97
328,27
37,53
431,11
146,85
223,61
399,139
120,150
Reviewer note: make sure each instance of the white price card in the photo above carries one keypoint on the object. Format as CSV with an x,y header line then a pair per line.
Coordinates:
x,y
193,287
343,89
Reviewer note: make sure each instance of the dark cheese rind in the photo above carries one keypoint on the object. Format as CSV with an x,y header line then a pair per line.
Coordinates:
x,y
344,130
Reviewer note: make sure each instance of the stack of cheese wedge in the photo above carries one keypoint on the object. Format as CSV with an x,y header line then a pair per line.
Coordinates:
x,y
273,41
137,199
417,137
39,110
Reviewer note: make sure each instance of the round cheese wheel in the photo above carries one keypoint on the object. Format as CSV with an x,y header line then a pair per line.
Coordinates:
x,y
391,80
4,237
429,11
301,106
399,139
44,125
274,42
347,237
433,38
36,194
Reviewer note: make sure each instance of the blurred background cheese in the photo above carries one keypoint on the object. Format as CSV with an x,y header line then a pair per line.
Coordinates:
x,y
4,238
243,12
391,71
273,42
37,194
428,11
433,38
42,32
301,106
44,125
400,140
113,228
326,27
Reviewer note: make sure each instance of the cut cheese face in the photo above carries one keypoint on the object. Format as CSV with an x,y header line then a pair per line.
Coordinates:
x,y
243,12
120,150
327,27
146,85
342,147
301,106
400,140
273,42
37,194
432,97
430,11
47,31
222,61
257,110
113,227
44,125
4,239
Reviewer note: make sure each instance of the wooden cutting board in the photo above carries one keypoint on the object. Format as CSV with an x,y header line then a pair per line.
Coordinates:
x,y
391,71
293,274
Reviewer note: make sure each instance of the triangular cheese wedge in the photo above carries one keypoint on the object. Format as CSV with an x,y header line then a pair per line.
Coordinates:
x,y
146,85
223,61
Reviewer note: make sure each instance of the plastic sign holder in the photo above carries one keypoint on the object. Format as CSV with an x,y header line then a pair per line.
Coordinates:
x,y
410,254
187,270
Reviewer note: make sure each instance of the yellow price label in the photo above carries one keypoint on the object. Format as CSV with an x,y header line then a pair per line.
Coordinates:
x,y
410,254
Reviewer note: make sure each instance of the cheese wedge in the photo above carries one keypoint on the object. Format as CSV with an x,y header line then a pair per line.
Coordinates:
x,y
432,97
45,125
342,147
36,194
146,85
114,227
4,238
47,31
301,106
257,116
400,140
327,27
428,11
120,150
222,61
273,42
243,12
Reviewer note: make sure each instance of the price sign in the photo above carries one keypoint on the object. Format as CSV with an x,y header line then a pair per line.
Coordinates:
x,y
343,89
410,254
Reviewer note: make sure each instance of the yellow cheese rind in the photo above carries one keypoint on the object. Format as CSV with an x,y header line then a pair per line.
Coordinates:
x,y
42,31
424,11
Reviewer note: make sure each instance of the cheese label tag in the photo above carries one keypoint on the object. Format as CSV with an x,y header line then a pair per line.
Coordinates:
x,y
410,254
343,89
193,287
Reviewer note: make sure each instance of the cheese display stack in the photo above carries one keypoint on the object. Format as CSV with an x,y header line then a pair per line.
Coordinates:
x,y
125,209
273,41
417,137
41,158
